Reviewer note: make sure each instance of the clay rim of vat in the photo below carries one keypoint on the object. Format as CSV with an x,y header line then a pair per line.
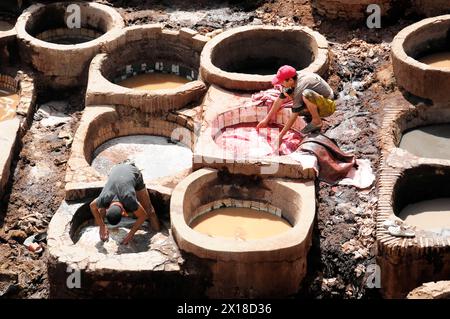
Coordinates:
x,y
284,244
404,35
23,20
211,72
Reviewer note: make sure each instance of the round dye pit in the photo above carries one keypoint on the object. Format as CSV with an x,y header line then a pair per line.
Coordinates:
x,y
420,58
153,81
8,104
156,156
422,198
239,223
87,238
350,10
244,140
149,266
254,54
243,263
432,215
55,23
431,141
153,69
59,45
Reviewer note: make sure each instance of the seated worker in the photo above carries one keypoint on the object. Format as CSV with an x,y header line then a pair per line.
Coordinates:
x,y
305,89
118,198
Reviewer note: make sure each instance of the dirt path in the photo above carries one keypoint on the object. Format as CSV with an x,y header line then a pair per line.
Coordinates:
x,y
36,193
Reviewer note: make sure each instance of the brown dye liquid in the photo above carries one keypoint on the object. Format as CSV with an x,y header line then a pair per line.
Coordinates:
x,y
438,60
8,105
428,215
240,223
153,81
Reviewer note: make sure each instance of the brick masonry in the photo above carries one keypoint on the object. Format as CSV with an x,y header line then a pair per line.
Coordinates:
x,y
407,262
159,272
101,123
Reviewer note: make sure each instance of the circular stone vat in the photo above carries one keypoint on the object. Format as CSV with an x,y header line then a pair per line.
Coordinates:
x,y
149,266
57,45
422,198
239,222
349,9
431,290
243,264
156,156
153,69
9,97
432,141
161,146
426,41
247,58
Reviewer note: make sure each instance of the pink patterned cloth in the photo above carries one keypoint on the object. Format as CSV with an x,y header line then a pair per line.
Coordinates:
x,y
268,97
243,140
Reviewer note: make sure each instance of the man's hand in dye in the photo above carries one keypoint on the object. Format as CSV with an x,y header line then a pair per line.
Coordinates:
x,y
127,239
262,124
104,233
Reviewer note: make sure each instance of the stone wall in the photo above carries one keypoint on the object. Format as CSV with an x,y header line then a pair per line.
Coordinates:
x,y
248,43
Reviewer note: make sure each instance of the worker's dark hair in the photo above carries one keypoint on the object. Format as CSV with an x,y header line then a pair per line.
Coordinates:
x,y
114,214
295,77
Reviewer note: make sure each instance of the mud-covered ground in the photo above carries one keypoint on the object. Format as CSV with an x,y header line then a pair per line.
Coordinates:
x,y
344,234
